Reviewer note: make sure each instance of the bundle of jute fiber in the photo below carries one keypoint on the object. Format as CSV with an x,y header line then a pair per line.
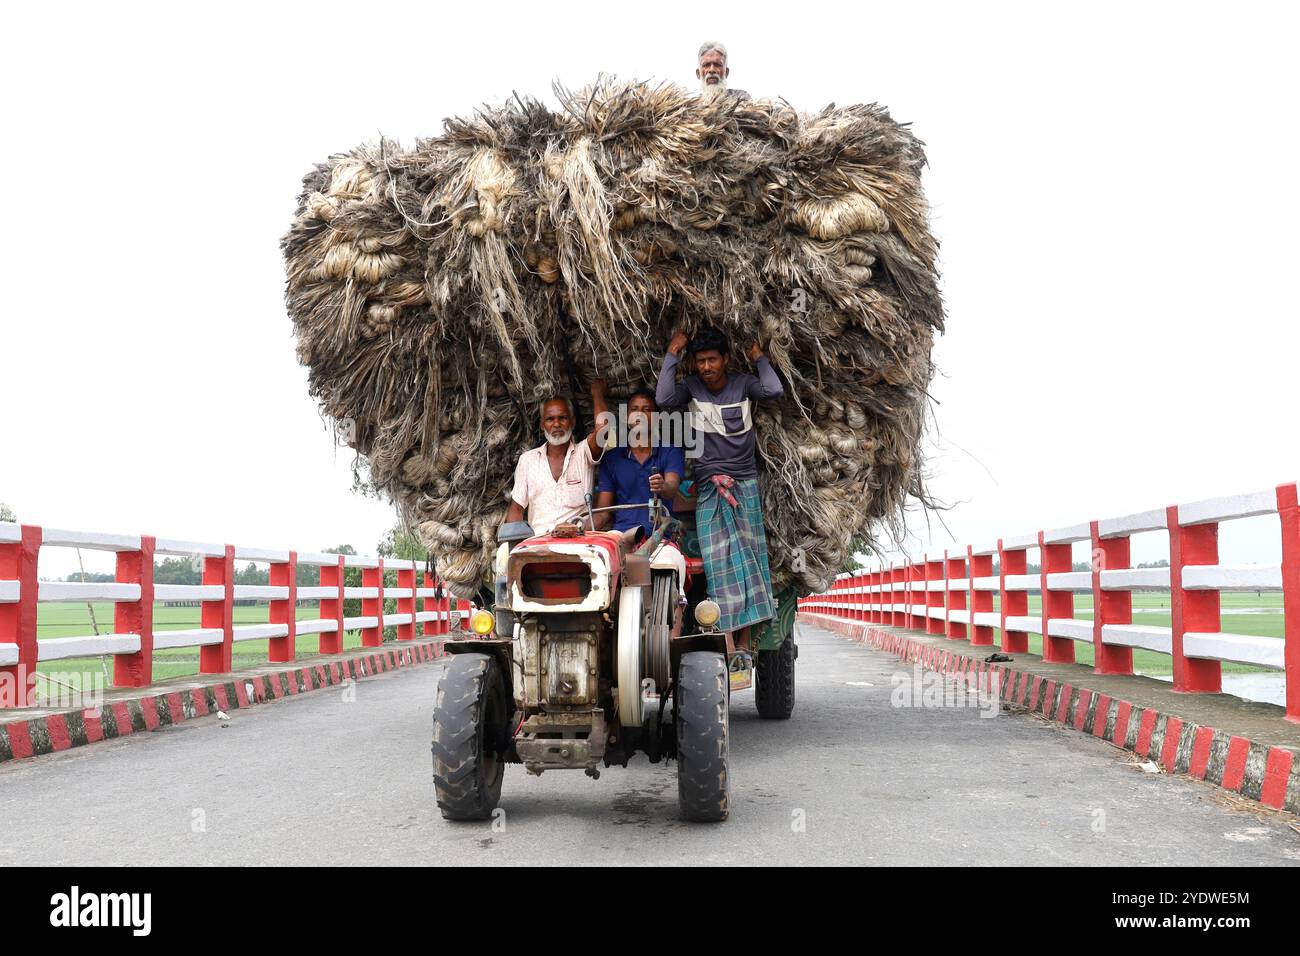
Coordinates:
x,y
440,293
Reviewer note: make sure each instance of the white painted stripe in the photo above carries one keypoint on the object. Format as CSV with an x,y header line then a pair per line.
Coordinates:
x,y
935,585
1138,635
988,584
918,586
1020,543
399,592
988,619
90,645
984,549
197,637
1075,532
1070,581
1023,582
1239,648
317,627
361,592
1135,579
261,592
959,584
937,612
1241,577
391,620
318,593
428,592
260,632
8,655
76,591
960,615
422,616
1029,625
58,538
1064,627
360,561
400,564
10,532
356,623
261,554
173,546
188,592
1153,520
10,591
1234,506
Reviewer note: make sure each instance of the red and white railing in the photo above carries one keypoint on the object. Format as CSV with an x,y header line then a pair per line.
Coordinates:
x,y
134,640
953,595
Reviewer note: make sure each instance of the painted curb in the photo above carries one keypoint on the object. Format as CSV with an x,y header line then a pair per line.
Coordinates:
x,y
1267,774
118,718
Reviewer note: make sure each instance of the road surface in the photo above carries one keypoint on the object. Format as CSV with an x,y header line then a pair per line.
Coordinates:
x,y
323,779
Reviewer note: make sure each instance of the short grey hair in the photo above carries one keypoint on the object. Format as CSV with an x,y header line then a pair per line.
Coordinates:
x,y
568,403
707,47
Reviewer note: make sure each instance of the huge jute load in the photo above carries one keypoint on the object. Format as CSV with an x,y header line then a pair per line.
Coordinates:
x,y
440,293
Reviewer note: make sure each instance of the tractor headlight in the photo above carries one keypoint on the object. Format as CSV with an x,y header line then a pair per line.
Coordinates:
x,y
707,613
481,622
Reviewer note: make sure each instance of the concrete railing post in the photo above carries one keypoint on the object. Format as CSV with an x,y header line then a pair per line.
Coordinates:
x,y
1109,607
135,617
1289,512
1195,611
18,562
219,613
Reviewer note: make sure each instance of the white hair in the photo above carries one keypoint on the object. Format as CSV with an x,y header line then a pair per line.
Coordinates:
x,y
709,46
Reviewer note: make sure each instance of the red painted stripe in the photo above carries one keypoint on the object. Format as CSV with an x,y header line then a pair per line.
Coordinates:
x,y
1023,689
1169,748
1145,729
57,728
219,692
1120,737
1081,712
1100,717
1201,752
20,739
291,678
1033,697
149,707
177,707
241,692
122,717
94,727
200,702
1234,766
1276,773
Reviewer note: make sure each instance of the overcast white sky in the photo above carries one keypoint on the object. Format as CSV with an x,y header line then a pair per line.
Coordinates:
x,y
1114,187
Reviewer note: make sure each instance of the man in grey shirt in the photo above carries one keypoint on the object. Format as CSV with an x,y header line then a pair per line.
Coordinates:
x,y
729,510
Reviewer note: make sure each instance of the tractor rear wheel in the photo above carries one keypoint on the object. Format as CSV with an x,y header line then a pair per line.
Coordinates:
x,y
702,704
469,727
774,681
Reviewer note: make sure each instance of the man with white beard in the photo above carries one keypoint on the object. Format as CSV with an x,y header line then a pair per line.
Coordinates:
x,y
712,71
552,481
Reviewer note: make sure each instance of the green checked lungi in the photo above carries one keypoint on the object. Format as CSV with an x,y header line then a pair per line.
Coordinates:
x,y
733,544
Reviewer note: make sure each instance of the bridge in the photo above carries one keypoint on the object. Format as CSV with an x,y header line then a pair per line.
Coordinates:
x,y
937,720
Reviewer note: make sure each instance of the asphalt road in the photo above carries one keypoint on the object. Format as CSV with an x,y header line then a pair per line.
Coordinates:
x,y
851,779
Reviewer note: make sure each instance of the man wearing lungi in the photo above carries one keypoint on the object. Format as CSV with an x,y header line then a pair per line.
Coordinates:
x,y
729,510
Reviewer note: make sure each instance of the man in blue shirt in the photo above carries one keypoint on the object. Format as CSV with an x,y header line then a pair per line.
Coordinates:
x,y
630,474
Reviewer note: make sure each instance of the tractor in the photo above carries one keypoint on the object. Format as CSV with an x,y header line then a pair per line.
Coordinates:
x,y
599,645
